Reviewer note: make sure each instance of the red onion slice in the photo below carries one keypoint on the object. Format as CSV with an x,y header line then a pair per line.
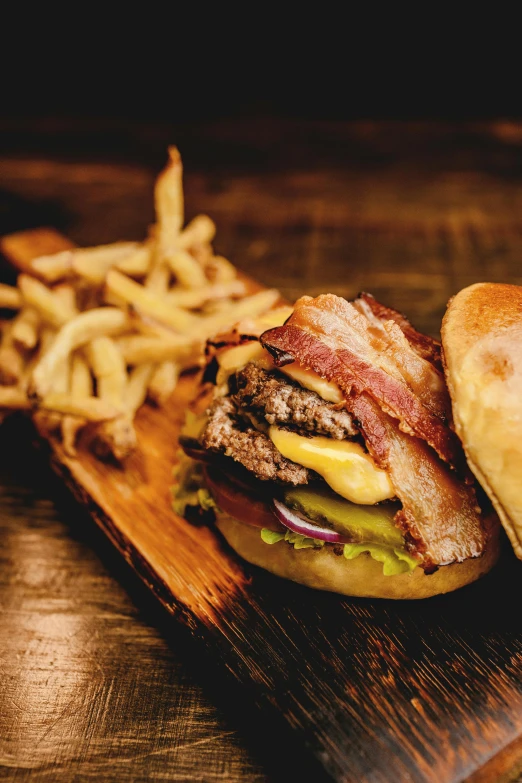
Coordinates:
x,y
297,522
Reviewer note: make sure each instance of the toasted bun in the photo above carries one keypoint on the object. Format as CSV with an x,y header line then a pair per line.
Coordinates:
x,y
482,343
324,570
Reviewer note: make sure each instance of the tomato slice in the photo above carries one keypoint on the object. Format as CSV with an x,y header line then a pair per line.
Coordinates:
x,y
233,500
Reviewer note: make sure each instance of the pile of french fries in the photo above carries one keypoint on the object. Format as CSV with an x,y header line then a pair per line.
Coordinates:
x,y
98,331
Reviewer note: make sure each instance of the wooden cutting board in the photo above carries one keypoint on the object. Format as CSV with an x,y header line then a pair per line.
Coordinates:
x,y
371,690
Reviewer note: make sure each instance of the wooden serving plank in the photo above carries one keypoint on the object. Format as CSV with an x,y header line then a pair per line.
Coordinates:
x,y
372,690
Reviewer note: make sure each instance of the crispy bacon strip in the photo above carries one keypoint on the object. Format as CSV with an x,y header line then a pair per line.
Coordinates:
x,y
354,375
439,516
343,326
377,314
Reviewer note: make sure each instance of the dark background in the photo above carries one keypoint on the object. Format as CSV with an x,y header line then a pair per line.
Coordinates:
x,y
192,64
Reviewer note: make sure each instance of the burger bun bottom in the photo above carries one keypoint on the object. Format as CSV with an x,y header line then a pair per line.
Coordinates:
x,y
363,576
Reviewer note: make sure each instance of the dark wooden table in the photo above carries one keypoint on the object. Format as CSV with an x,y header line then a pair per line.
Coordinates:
x,y
96,683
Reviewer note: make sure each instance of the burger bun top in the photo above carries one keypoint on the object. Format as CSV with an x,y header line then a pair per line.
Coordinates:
x,y
482,352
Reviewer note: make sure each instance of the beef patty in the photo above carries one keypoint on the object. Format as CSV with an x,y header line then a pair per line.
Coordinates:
x,y
281,401
227,433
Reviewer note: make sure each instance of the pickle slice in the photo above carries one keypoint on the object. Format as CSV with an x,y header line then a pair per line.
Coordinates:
x,y
361,523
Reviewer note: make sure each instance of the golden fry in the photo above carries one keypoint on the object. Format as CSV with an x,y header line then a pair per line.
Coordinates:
x,y
46,422
109,369
187,270
249,307
66,295
116,437
146,325
171,242
163,382
148,302
80,386
93,263
158,278
11,360
10,297
136,393
168,201
192,299
137,263
203,254
79,331
24,332
55,267
199,231
219,270
14,398
50,307
137,349
89,408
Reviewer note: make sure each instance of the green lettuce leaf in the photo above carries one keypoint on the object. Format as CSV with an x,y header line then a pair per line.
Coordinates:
x,y
394,561
298,541
271,536
189,487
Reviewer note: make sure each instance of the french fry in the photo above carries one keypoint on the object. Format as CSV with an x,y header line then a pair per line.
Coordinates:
x,y
219,270
24,332
148,302
10,297
187,270
80,386
89,408
146,325
11,360
116,437
203,254
139,379
158,278
250,306
109,369
199,231
168,201
14,398
165,375
93,263
53,268
79,331
46,422
137,349
66,295
119,436
196,298
137,263
49,306
163,382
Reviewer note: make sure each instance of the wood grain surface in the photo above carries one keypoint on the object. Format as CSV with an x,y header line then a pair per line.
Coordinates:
x,y
95,685
373,691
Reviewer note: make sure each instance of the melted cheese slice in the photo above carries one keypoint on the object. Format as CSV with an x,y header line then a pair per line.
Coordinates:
x,y
328,390
344,465
236,358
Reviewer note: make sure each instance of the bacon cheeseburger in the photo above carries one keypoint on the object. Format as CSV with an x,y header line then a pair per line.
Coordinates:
x,y
324,449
